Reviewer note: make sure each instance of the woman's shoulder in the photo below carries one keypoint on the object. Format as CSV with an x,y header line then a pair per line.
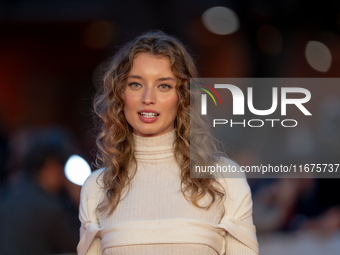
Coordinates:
x,y
93,184
231,176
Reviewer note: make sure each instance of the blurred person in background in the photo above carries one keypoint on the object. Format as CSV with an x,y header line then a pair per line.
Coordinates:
x,y
18,147
32,215
303,204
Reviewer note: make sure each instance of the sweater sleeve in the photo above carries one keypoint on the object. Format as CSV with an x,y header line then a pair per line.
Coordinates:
x,y
89,243
237,219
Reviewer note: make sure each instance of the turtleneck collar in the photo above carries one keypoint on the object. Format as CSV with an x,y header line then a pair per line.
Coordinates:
x,y
157,147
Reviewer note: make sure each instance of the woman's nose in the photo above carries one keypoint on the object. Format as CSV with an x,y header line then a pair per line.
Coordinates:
x,y
149,96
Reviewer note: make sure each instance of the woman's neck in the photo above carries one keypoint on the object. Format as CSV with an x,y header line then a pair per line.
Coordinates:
x,y
154,147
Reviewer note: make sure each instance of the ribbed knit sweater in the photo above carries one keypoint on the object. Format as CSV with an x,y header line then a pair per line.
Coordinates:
x,y
155,218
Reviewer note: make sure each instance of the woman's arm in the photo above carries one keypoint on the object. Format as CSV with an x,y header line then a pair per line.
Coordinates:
x,y
237,220
89,243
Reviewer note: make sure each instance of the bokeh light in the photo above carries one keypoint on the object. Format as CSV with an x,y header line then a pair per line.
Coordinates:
x,y
77,170
318,56
220,20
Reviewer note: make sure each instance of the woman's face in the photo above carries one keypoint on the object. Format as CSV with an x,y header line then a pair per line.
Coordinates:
x,y
151,100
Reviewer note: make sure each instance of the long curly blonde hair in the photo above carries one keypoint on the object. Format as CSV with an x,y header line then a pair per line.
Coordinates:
x,y
115,141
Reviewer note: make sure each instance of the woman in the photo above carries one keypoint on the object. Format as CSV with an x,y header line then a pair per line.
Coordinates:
x,y
143,200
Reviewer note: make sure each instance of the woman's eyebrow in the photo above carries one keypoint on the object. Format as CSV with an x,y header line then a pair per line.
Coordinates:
x,y
166,79
134,76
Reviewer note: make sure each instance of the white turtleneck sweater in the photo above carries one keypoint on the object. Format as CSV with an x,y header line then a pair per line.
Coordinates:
x,y
155,218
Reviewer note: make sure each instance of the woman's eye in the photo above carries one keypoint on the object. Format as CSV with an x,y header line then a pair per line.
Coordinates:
x,y
134,85
164,86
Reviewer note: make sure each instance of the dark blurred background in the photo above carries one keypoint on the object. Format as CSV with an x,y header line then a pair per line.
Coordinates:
x,y
50,58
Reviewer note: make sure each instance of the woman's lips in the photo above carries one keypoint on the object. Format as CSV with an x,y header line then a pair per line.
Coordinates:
x,y
148,118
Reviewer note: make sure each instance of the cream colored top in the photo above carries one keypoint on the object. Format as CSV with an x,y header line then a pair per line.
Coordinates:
x,y
155,218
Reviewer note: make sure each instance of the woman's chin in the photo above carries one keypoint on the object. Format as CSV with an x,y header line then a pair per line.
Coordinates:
x,y
150,132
